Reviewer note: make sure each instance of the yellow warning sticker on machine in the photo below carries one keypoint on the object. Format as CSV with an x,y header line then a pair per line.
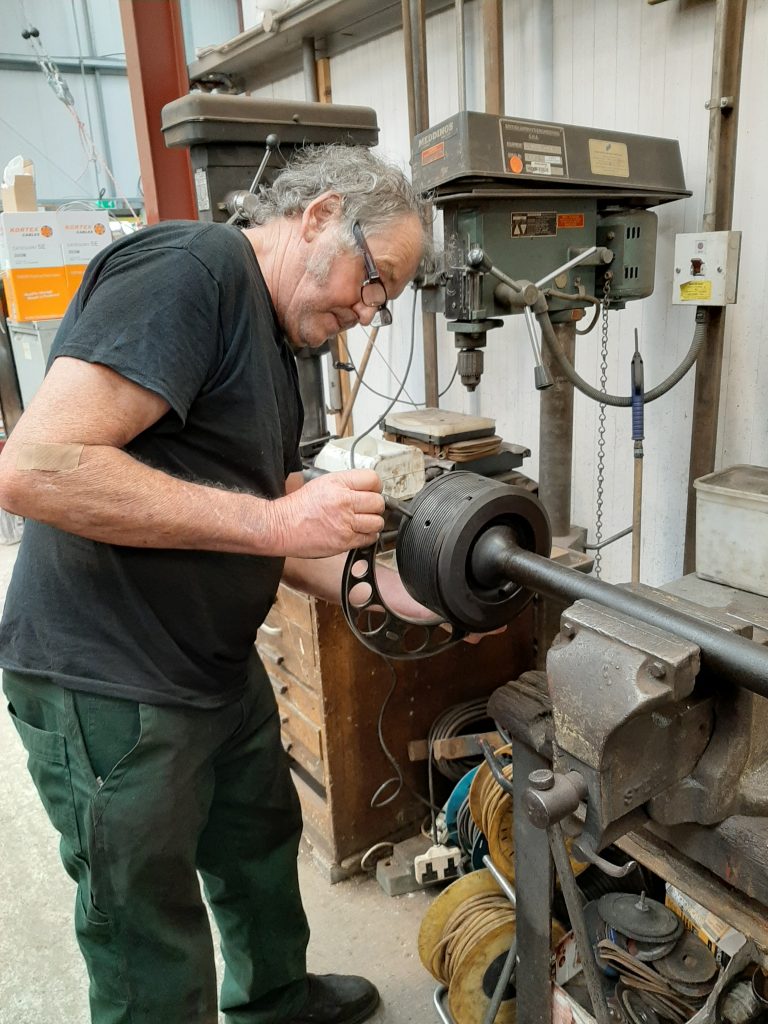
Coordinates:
x,y
608,158
696,291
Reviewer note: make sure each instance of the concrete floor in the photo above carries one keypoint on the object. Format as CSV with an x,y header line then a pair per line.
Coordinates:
x,y
356,928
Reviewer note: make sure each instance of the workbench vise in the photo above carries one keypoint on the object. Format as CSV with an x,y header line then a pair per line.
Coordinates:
x,y
653,735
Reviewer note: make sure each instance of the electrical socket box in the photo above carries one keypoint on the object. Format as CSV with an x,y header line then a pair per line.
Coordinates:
x,y
706,271
438,864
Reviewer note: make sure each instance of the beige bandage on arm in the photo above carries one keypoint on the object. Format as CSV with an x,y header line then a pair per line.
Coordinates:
x,y
50,458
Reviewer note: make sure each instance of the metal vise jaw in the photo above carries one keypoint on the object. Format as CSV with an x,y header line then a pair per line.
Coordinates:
x,y
624,714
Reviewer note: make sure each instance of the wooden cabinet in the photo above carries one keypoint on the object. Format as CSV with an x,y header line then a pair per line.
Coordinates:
x,y
330,690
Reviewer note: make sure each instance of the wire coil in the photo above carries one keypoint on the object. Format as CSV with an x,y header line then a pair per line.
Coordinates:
x,y
491,810
464,938
461,719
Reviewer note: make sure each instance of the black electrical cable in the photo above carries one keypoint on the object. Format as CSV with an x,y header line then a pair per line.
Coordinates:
x,y
460,719
398,777
388,398
550,339
379,394
376,422
595,318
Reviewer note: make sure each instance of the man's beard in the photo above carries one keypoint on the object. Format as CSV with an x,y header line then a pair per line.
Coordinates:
x,y
320,261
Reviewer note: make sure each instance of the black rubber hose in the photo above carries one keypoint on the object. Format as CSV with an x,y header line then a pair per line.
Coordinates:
x,y
550,340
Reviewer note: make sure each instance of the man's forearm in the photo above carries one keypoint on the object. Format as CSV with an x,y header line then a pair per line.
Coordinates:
x,y
321,577
111,497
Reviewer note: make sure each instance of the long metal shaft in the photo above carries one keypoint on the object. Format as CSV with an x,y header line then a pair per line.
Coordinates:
x,y
737,659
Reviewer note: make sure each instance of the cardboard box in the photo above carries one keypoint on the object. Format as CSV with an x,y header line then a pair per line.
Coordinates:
x,y
32,267
20,196
83,233
720,938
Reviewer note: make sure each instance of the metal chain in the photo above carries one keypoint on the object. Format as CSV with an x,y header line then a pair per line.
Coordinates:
x,y
601,424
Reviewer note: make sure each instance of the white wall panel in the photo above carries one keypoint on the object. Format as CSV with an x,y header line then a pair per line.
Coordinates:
x,y
208,23
634,67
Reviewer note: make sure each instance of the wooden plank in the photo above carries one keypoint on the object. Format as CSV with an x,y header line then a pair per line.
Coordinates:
x,y
493,55
739,911
323,69
452,747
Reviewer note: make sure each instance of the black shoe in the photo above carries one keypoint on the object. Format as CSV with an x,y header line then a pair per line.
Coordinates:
x,y
338,999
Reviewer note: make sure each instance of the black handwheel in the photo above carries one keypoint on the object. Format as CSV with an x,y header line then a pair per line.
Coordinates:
x,y
434,555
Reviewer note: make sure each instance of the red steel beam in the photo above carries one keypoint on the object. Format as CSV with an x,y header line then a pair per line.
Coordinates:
x,y
157,74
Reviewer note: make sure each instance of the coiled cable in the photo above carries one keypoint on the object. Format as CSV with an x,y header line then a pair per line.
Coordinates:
x,y
466,718
567,369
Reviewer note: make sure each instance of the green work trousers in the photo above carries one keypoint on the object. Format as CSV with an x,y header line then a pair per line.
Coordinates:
x,y
148,800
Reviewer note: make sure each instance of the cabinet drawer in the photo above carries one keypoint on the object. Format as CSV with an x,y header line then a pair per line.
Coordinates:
x,y
283,643
302,758
288,688
295,606
294,724
286,645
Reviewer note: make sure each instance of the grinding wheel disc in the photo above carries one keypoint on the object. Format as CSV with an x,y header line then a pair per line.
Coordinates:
x,y
474,980
639,918
596,930
697,991
635,1007
477,883
689,962
649,952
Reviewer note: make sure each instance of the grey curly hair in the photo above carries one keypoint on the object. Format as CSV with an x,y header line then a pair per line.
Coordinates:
x,y
373,192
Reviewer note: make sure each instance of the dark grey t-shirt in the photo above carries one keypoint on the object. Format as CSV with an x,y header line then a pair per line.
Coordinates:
x,y
181,309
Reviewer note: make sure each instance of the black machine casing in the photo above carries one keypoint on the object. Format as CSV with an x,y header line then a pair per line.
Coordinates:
x,y
226,136
533,194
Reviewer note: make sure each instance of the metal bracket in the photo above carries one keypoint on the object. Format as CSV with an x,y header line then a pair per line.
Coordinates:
x,y
723,103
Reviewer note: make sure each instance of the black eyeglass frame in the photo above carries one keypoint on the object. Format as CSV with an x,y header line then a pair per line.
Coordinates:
x,y
383,317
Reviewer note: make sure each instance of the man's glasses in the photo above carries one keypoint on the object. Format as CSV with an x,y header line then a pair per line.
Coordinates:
x,y
373,293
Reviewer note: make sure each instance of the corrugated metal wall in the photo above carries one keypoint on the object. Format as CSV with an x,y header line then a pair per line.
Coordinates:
x,y
37,124
626,65
34,123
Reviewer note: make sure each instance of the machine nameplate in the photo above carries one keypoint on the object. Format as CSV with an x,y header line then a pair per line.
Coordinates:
x,y
538,224
436,152
201,189
533,149
608,158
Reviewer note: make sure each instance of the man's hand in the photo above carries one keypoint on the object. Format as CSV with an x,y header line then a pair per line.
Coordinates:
x,y
329,515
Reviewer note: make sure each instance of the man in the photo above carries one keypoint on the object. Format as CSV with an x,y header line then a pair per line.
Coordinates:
x,y
158,470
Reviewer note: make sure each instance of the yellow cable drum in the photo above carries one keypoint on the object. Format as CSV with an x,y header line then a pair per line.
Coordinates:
x,y
492,812
463,941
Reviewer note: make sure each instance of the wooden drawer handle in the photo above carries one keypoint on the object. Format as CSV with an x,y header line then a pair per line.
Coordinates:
x,y
271,630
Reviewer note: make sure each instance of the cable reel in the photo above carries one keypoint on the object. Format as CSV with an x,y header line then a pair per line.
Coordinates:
x,y
463,941
435,542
